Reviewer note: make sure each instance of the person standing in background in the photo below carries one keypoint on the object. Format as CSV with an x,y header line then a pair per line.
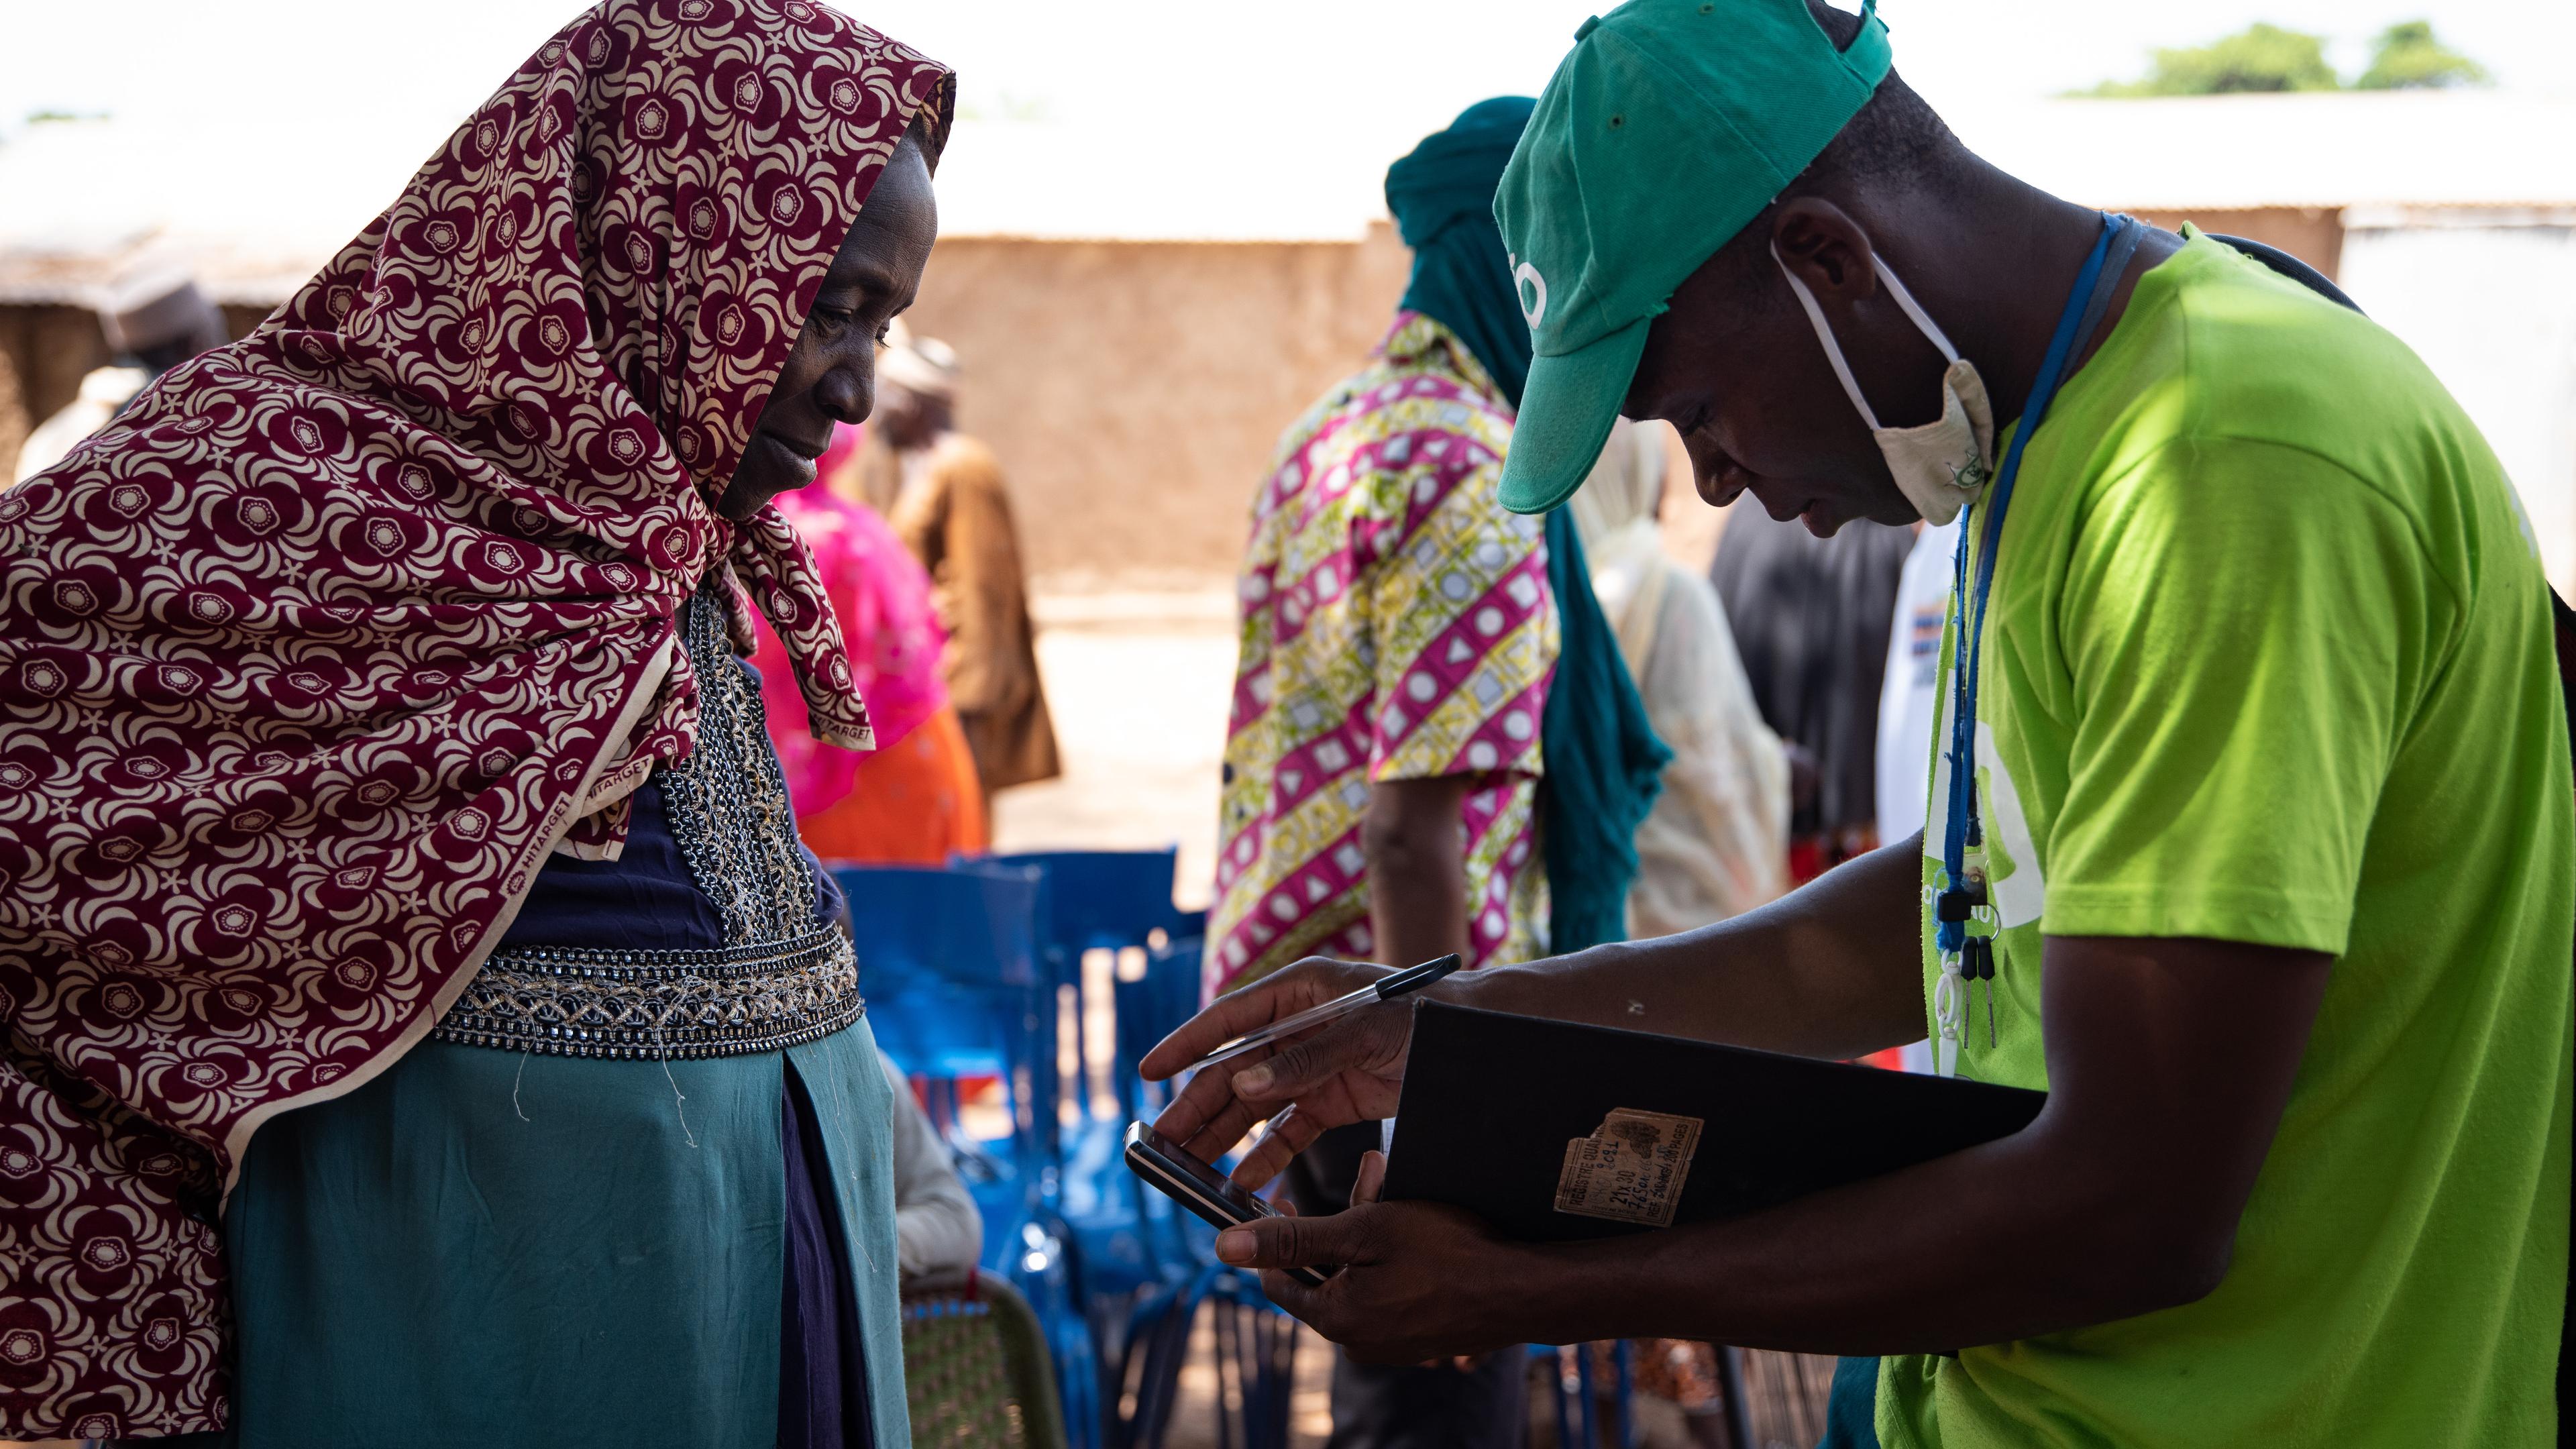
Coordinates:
x,y
1716,843
152,324
953,511
1434,746
915,799
1383,761
1811,618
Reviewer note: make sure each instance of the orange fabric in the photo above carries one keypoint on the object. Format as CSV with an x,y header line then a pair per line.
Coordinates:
x,y
916,802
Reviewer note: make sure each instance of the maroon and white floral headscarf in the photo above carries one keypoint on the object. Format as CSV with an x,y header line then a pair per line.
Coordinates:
x,y
309,659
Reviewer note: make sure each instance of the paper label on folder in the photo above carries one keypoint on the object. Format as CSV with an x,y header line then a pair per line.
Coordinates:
x,y
1630,1170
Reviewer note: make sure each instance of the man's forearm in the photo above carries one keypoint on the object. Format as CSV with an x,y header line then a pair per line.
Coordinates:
x,y
2169,1063
1992,1244
1832,969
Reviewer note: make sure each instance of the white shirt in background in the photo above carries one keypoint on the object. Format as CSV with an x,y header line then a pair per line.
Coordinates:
x,y
1909,699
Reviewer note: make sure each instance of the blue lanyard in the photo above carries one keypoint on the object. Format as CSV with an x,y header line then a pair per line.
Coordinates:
x,y
1959,895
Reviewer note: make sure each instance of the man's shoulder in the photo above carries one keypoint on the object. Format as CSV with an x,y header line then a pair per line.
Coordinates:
x,y
2262,358
1365,446
2235,372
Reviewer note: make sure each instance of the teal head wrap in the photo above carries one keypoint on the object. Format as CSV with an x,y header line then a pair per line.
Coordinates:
x,y
1442,199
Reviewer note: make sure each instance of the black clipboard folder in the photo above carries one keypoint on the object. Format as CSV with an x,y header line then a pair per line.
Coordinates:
x,y
1491,1102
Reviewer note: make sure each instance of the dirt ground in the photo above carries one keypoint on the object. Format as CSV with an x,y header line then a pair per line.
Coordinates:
x,y
1138,681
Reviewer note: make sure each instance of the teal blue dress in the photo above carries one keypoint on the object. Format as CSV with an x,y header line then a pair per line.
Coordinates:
x,y
588,1209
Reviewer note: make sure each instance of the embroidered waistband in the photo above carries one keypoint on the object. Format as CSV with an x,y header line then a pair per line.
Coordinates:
x,y
653,1005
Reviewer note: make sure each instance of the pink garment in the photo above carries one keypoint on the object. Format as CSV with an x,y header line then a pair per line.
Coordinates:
x,y
881,595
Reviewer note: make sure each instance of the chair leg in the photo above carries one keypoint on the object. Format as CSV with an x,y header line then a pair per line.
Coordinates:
x,y
1739,1412
1623,1403
1587,1404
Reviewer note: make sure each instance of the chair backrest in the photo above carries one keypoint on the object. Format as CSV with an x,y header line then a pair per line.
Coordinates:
x,y
975,1370
978,927
1099,897
1153,1006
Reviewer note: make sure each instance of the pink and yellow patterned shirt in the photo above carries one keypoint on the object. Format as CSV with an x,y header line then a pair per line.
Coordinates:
x,y
1396,625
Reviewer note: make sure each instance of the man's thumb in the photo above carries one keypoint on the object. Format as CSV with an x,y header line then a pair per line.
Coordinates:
x,y
1283,1242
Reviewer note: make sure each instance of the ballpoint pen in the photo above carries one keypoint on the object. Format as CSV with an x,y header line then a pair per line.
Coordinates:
x,y
1385,988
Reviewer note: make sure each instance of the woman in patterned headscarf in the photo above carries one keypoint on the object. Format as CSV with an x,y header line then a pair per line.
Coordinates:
x,y
376,766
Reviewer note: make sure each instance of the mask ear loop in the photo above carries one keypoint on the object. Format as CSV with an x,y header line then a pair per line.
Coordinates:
x,y
1833,350
1825,334
1914,311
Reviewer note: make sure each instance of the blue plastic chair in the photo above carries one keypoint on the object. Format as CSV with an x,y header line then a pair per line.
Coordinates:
x,y
957,986
1256,1363
1097,898
1577,1411
1094,899
1149,1009
950,964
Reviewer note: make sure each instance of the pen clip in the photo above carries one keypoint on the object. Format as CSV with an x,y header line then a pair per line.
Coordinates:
x,y
1418,977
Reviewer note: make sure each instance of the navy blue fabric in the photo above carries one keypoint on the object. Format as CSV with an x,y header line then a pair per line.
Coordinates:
x,y
822,1361
645,900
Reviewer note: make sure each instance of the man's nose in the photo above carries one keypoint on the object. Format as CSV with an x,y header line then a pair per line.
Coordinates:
x,y
1721,480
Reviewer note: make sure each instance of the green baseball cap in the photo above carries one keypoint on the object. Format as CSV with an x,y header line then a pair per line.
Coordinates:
x,y
1670,125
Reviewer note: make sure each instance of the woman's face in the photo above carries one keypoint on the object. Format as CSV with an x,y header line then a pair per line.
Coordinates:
x,y
830,376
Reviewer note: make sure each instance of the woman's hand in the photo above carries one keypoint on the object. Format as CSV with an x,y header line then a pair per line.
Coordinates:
x,y
1346,1071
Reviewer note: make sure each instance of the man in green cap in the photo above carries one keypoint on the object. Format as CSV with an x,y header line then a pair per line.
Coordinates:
x,y
2250,834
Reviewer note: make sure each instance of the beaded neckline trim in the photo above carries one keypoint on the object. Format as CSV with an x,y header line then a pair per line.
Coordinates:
x,y
780,980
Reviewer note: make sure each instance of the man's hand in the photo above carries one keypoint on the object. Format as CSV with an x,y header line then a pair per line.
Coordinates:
x,y
1347,1071
1418,1281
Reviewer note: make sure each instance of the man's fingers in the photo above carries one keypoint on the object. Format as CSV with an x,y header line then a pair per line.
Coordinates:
x,y
1306,1065
1284,993
1221,1132
1197,1105
1372,1178
1291,1132
1285,1242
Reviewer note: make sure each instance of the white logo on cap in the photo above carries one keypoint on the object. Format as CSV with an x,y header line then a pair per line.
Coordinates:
x,y
1525,280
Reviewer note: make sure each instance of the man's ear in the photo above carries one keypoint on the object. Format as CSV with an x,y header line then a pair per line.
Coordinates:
x,y
1825,247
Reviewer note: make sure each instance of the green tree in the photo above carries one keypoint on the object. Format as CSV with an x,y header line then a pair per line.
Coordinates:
x,y
2407,57
2258,58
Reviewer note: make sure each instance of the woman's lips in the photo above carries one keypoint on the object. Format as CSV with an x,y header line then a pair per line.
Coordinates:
x,y
800,464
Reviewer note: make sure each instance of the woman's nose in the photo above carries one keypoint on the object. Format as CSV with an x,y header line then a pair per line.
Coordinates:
x,y
846,392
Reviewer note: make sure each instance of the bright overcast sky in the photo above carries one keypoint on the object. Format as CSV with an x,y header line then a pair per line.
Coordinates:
x,y
1194,93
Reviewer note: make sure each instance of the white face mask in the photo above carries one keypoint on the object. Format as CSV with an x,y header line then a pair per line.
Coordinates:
x,y
1942,464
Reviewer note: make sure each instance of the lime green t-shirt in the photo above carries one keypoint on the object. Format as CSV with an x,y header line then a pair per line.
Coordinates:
x,y
2269,659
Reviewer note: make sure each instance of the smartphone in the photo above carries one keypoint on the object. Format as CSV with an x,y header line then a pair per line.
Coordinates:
x,y
1201,1188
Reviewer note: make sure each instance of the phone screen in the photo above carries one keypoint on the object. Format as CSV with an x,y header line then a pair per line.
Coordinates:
x,y
1200,1187
1167,1154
